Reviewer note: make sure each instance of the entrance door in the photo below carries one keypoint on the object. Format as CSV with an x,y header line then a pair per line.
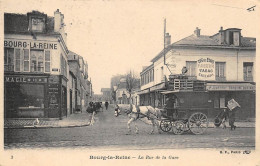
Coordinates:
x,y
70,101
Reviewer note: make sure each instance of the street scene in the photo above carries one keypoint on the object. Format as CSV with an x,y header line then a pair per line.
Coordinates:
x,y
130,76
110,132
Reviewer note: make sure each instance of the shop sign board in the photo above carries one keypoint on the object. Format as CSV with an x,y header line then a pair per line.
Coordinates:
x,y
24,79
230,87
12,43
206,69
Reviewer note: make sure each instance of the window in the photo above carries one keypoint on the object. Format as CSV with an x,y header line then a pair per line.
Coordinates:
x,y
37,24
63,66
231,39
36,60
220,71
26,60
17,59
47,61
248,71
162,75
9,59
191,67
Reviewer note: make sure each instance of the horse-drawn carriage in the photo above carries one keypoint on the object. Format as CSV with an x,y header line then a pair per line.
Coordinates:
x,y
197,123
180,119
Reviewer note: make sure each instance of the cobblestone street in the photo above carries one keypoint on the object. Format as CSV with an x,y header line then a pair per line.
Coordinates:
x,y
109,131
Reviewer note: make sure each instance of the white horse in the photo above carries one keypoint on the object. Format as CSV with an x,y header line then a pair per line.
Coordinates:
x,y
134,113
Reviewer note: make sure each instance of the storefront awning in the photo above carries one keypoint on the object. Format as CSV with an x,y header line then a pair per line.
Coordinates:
x,y
230,87
170,91
158,87
143,92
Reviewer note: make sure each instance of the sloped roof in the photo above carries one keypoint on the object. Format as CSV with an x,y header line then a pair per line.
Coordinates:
x,y
18,23
194,40
207,41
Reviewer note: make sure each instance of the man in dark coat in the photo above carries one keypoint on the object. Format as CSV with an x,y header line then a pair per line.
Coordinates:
x,y
106,104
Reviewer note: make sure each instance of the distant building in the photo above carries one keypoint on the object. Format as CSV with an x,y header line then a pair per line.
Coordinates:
x,y
106,92
80,94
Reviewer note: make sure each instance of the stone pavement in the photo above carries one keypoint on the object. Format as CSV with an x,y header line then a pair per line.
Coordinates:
x,y
78,120
73,120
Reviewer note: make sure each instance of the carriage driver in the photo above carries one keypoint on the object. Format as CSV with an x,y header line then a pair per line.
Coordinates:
x,y
169,106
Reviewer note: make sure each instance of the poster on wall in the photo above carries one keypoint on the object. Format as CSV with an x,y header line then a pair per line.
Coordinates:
x,y
206,69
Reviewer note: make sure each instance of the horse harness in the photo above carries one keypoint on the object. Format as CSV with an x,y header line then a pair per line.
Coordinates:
x,y
139,112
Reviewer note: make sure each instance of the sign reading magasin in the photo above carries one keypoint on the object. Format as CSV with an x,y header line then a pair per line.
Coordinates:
x,y
30,44
206,69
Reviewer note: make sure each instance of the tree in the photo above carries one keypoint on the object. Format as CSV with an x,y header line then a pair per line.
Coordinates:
x,y
132,82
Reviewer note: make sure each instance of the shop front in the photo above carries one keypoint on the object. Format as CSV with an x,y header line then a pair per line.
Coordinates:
x,y
243,93
34,96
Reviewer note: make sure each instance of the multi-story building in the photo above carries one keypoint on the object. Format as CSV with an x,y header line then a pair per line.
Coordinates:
x,y
204,72
81,92
36,68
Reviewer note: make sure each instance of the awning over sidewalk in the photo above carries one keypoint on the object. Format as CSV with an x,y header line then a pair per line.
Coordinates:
x,y
230,87
143,91
158,87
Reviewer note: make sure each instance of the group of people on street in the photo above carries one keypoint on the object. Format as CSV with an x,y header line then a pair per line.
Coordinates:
x,y
93,108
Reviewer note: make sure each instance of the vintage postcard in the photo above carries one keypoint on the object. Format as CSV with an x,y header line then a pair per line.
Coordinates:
x,y
129,82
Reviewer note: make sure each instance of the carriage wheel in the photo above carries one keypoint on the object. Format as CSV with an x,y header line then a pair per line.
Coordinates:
x,y
166,125
178,127
198,123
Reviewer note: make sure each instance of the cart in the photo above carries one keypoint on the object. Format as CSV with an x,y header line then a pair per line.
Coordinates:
x,y
197,123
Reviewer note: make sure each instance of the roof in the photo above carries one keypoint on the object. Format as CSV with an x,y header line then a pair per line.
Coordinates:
x,y
204,41
105,89
12,20
194,40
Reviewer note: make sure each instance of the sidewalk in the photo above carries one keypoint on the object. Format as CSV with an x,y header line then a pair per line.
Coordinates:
x,y
73,120
81,119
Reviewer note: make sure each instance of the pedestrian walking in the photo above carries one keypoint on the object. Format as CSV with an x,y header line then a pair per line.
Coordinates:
x,y
233,107
91,114
106,104
224,117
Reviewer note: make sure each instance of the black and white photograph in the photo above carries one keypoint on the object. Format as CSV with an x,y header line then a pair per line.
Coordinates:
x,y
147,82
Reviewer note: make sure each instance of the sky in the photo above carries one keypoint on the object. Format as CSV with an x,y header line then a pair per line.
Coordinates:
x,y
117,36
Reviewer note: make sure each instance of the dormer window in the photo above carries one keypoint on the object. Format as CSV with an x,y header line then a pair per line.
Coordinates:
x,y
37,21
37,24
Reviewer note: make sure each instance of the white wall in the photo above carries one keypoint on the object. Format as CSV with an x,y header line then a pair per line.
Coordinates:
x,y
234,65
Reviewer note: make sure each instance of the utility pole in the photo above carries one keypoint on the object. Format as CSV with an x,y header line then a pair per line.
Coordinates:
x,y
164,31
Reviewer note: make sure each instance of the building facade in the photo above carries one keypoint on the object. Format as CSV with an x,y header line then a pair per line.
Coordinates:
x,y
80,94
107,95
35,66
204,72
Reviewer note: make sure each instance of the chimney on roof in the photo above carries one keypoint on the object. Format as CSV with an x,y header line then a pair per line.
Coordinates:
x,y
221,36
58,20
167,39
197,32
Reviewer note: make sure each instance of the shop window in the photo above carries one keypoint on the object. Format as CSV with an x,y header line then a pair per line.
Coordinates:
x,y
191,67
24,96
248,71
26,60
36,60
8,59
220,71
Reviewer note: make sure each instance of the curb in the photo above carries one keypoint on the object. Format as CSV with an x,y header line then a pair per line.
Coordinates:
x,y
45,127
